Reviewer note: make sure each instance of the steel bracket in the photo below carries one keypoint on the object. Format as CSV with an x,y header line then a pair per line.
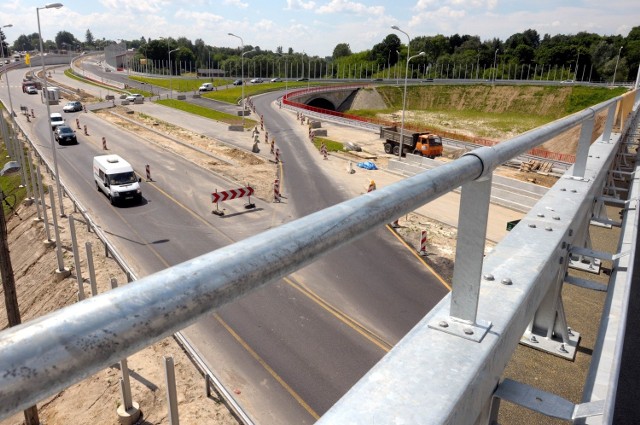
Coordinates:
x,y
471,331
546,403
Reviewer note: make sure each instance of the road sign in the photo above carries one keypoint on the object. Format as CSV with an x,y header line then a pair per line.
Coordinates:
x,y
231,194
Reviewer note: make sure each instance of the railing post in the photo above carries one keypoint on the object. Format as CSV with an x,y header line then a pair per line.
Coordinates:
x,y
606,134
584,143
465,288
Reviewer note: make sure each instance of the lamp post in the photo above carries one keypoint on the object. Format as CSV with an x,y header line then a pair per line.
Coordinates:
x,y
495,57
616,68
404,97
13,114
478,64
396,70
171,72
46,99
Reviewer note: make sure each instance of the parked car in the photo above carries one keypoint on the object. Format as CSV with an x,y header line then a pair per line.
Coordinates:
x,y
567,82
31,90
65,135
237,83
132,97
276,80
72,106
256,80
55,119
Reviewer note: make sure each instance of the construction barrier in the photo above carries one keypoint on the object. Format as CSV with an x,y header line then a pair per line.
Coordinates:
x,y
104,139
78,123
277,155
33,115
228,195
86,132
423,243
273,142
276,191
147,169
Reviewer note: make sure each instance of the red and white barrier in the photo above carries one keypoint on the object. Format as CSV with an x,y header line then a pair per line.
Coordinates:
x,y
228,195
86,132
78,123
273,142
147,169
104,139
276,191
423,243
277,155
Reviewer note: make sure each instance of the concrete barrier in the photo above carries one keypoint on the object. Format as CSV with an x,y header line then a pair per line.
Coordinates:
x,y
124,102
315,124
138,100
319,132
181,97
236,128
246,112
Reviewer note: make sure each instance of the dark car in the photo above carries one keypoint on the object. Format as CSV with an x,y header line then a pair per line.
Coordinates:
x,y
237,83
65,135
302,79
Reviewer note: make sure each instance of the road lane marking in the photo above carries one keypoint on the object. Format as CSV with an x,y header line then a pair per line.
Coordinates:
x,y
342,317
415,254
268,368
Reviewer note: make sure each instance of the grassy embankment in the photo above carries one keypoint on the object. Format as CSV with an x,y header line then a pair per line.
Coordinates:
x,y
487,111
207,113
10,184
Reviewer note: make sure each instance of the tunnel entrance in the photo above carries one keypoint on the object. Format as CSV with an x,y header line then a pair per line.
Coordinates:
x,y
323,103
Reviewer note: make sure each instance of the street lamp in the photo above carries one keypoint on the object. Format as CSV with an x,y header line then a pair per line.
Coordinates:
x,y
478,64
396,70
46,98
495,57
616,68
171,72
404,97
241,71
13,114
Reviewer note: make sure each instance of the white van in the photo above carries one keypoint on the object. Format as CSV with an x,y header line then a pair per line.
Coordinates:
x,y
115,177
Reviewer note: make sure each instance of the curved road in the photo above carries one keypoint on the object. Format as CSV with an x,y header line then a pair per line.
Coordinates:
x,y
289,350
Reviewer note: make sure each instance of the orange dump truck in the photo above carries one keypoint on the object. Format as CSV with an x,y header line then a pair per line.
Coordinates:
x,y
425,144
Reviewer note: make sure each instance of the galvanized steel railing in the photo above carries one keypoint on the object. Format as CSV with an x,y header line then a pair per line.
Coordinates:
x,y
40,358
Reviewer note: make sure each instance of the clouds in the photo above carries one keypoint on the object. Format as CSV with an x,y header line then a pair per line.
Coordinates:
x,y
300,5
137,6
345,6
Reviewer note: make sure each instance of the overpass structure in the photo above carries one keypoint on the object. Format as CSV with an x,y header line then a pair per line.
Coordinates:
x,y
449,368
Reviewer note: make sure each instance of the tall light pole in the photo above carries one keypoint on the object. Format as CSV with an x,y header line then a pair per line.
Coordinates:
x,y
171,72
575,76
478,65
495,57
241,71
46,101
13,114
396,70
616,68
404,97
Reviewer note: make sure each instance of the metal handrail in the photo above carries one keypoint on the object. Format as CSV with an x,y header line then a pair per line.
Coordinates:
x,y
40,358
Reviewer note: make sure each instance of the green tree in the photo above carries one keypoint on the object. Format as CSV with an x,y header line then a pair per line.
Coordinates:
x,y
3,45
66,38
341,50
88,38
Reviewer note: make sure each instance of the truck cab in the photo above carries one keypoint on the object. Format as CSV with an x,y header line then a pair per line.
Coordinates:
x,y
115,177
429,145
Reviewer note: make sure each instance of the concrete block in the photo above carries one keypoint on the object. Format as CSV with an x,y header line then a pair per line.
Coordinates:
x,y
319,132
246,112
315,124
196,96
236,128
129,417
181,97
138,100
109,97
124,102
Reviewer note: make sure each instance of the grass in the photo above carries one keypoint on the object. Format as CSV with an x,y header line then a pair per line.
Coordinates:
x,y
230,94
582,97
207,113
69,73
10,185
332,145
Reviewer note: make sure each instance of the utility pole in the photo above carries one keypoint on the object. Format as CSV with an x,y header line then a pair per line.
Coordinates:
x,y
10,296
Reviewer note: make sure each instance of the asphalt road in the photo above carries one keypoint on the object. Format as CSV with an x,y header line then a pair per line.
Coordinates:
x,y
293,348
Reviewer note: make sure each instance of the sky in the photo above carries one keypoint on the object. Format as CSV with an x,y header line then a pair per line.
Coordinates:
x,y
315,26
